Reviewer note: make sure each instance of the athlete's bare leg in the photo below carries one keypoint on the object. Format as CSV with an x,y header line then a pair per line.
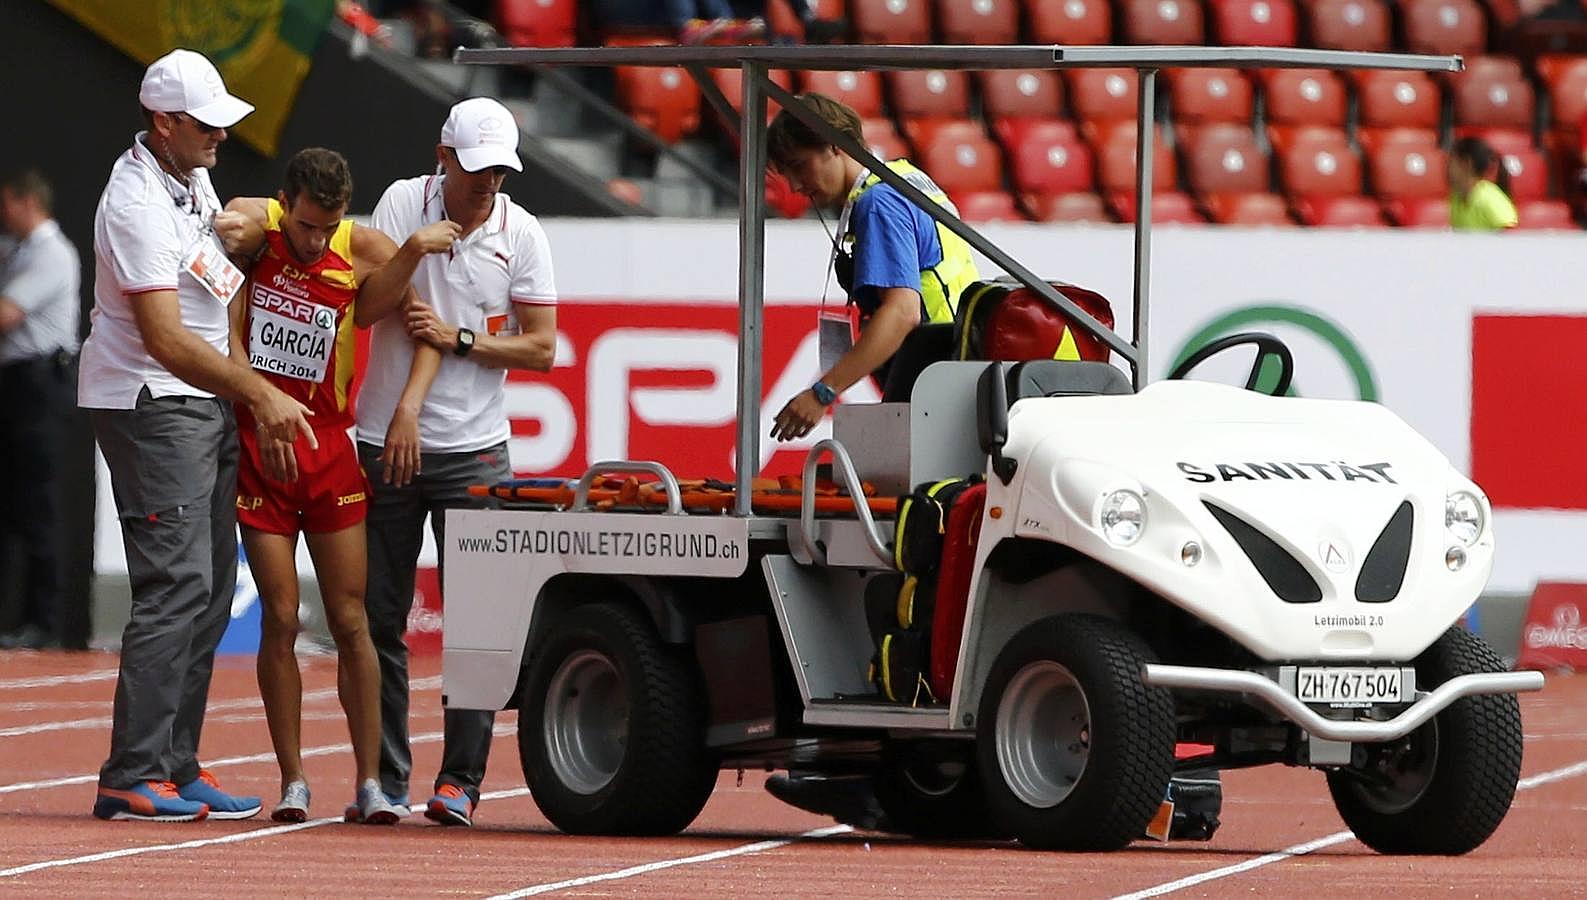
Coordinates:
x,y
271,558
339,562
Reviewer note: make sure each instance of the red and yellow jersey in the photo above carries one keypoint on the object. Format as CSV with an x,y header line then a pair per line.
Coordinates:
x,y
300,325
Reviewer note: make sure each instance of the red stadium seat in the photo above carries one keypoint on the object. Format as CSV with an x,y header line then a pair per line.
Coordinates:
x,y
926,93
861,91
977,22
1081,207
1050,158
1011,133
1373,139
1397,99
1225,159
665,101
731,84
1528,172
883,139
1349,24
1492,92
1200,96
1116,161
1318,162
987,206
1304,97
1162,21
1249,209
1443,26
1168,208
891,21
1340,212
1537,214
1423,212
1253,23
1076,22
1017,93
961,158
1102,95
538,23
1408,171
1566,77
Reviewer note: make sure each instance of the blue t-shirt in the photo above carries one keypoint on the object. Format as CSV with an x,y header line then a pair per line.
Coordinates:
x,y
894,240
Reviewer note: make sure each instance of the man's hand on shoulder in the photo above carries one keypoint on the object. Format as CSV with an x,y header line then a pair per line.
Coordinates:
x,y
241,225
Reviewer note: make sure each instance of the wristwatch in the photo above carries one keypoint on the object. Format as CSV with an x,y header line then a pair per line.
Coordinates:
x,y
824,393
465,342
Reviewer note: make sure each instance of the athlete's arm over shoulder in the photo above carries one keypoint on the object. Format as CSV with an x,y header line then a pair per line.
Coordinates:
x,y
382,288
241,227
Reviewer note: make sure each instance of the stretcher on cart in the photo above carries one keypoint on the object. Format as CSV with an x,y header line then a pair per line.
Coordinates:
x,y
628,493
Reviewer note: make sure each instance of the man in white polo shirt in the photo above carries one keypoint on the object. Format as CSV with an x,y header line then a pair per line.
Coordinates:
x,y
155,377
491,306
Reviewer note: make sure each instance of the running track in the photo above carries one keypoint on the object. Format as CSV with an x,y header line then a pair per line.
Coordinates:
x,y
1280,835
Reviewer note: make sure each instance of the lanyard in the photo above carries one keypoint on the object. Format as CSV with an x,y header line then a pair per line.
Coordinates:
x,y
843,229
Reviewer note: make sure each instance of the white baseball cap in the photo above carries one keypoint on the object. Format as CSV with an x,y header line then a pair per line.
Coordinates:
x,y
483,134
185,82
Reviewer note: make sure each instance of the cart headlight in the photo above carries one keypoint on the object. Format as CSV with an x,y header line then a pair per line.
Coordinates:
x,y
1122,517
1463,517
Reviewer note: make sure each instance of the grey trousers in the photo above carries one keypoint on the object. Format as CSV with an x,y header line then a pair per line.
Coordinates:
x,y
173,471
396,535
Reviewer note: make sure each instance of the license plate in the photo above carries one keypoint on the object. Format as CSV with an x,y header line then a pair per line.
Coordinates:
x,y
1349,686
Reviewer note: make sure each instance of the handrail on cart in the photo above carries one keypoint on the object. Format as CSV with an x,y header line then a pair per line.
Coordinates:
x,y
581,491
845,474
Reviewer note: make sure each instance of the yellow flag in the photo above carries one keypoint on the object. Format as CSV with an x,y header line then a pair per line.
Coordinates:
x,y
263,48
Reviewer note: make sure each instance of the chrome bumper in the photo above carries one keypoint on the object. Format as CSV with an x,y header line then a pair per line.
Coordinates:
x,y
1287,705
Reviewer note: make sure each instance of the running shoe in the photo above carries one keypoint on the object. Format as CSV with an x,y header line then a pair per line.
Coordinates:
x,y
205,789
450,806
294,805
151,801
372,807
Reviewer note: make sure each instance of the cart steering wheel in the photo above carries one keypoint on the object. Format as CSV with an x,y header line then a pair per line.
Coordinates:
x,y
1267,347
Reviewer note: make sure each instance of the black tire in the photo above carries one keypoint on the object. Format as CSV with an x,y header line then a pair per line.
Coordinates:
x,y
611,727
932,789
1444,788
1095,781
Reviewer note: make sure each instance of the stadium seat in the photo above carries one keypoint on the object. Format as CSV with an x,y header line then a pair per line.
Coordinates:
x,y
1388,99
1566,78
977,22
1224,159
1115,153
1297,98
1050,158
1101,96
1492,92
538,23
1339,212
1443,26
731,84
1077,22
1528,172
961,159
1253,23
987,206
1424,212
1372,139
1201,96
1168,208
883,140
1539,214
861,91
1317,168
1349,24
1019,94
1404,174
1175,22
929,93
665,101
1249,209
1079,207
891,21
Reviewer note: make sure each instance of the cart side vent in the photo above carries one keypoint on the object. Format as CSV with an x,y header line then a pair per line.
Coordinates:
x,y
1277,566
1383,570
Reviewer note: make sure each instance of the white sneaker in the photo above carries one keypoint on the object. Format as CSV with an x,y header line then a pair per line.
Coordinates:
x,y
294,805
372,807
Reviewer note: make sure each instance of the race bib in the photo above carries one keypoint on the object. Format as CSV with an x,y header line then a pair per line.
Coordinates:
x,y
289,336
208,263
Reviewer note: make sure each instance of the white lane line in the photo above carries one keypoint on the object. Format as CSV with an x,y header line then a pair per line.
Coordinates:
x,y
1338,837
325,750
44,681
423,684
239,837
630,872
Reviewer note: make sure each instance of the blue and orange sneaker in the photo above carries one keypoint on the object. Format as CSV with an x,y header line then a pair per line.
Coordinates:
x,y
151,801
205,789
450,806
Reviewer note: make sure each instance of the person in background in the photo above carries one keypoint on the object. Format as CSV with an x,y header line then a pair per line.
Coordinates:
x,y
1477,203
39,308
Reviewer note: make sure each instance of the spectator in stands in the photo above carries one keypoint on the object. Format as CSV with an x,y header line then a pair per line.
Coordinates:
x,y
1477,203
690,21
39,306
